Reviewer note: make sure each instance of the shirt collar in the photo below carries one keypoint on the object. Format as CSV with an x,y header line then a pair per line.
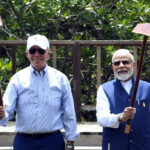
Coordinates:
x,y
41,72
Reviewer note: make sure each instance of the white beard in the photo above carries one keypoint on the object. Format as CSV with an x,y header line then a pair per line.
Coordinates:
x,y
123,77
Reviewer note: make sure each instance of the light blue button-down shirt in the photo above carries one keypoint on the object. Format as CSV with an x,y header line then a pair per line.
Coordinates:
x,y
43,102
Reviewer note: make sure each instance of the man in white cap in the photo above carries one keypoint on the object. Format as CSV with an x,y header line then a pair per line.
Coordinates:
x,y
42,99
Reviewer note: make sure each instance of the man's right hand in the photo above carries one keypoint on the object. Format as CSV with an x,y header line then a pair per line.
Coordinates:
x,y
128,113
2,111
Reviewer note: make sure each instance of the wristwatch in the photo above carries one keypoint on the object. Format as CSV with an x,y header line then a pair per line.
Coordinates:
x,y
70,147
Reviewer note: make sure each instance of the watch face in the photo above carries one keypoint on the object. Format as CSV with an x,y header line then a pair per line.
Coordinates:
x,y
70,146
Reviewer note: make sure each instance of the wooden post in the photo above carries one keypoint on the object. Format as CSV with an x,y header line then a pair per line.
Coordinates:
x,y
13,59
98,66
117,47
54,56
77,80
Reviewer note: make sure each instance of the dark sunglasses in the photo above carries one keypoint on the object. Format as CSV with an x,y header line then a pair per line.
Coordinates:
x,y
40,51
124,62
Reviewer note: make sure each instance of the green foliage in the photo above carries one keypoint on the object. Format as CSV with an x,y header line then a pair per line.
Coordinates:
x,y
5,73
72,20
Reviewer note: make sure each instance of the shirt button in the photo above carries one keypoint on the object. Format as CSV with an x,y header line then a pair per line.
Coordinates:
x,y
131,141
131,130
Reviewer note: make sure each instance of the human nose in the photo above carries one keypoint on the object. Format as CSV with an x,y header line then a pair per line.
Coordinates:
x,y
36,53
121,64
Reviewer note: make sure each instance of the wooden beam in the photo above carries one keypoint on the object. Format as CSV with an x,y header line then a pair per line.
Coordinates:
x,y
77,80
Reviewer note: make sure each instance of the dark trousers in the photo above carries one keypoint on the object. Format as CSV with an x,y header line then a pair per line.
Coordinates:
x,y
50,142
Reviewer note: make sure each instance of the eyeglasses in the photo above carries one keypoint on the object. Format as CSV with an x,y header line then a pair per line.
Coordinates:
x,y
124,62
40,51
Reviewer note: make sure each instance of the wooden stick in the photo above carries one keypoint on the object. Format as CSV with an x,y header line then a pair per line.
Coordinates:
x,y
127,129
1,101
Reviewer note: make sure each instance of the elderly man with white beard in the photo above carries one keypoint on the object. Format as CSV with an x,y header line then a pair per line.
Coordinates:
x,y
113,107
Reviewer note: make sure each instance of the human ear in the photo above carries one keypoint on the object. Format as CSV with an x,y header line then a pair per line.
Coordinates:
x,y
27,53
134,64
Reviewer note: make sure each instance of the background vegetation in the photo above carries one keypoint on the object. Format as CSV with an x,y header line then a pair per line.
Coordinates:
x,y
72,20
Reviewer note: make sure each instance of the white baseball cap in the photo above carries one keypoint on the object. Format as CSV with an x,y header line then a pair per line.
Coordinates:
x,y
38,40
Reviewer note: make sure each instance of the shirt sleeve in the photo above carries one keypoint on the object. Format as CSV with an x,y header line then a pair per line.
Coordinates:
x,y
104,116
9,99
4,120
69,117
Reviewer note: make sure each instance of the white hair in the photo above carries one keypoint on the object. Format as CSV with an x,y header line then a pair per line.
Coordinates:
x,y
122,51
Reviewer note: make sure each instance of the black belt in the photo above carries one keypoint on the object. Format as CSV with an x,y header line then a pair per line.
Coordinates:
x,y
38,135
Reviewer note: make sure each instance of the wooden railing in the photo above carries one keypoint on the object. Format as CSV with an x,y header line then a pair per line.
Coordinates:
x,y
76,46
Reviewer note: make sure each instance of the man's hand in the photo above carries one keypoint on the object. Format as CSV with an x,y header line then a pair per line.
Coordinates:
x,y
128,113
2,111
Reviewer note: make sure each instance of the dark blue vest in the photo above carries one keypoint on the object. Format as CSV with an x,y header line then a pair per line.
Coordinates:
x,y
139,136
